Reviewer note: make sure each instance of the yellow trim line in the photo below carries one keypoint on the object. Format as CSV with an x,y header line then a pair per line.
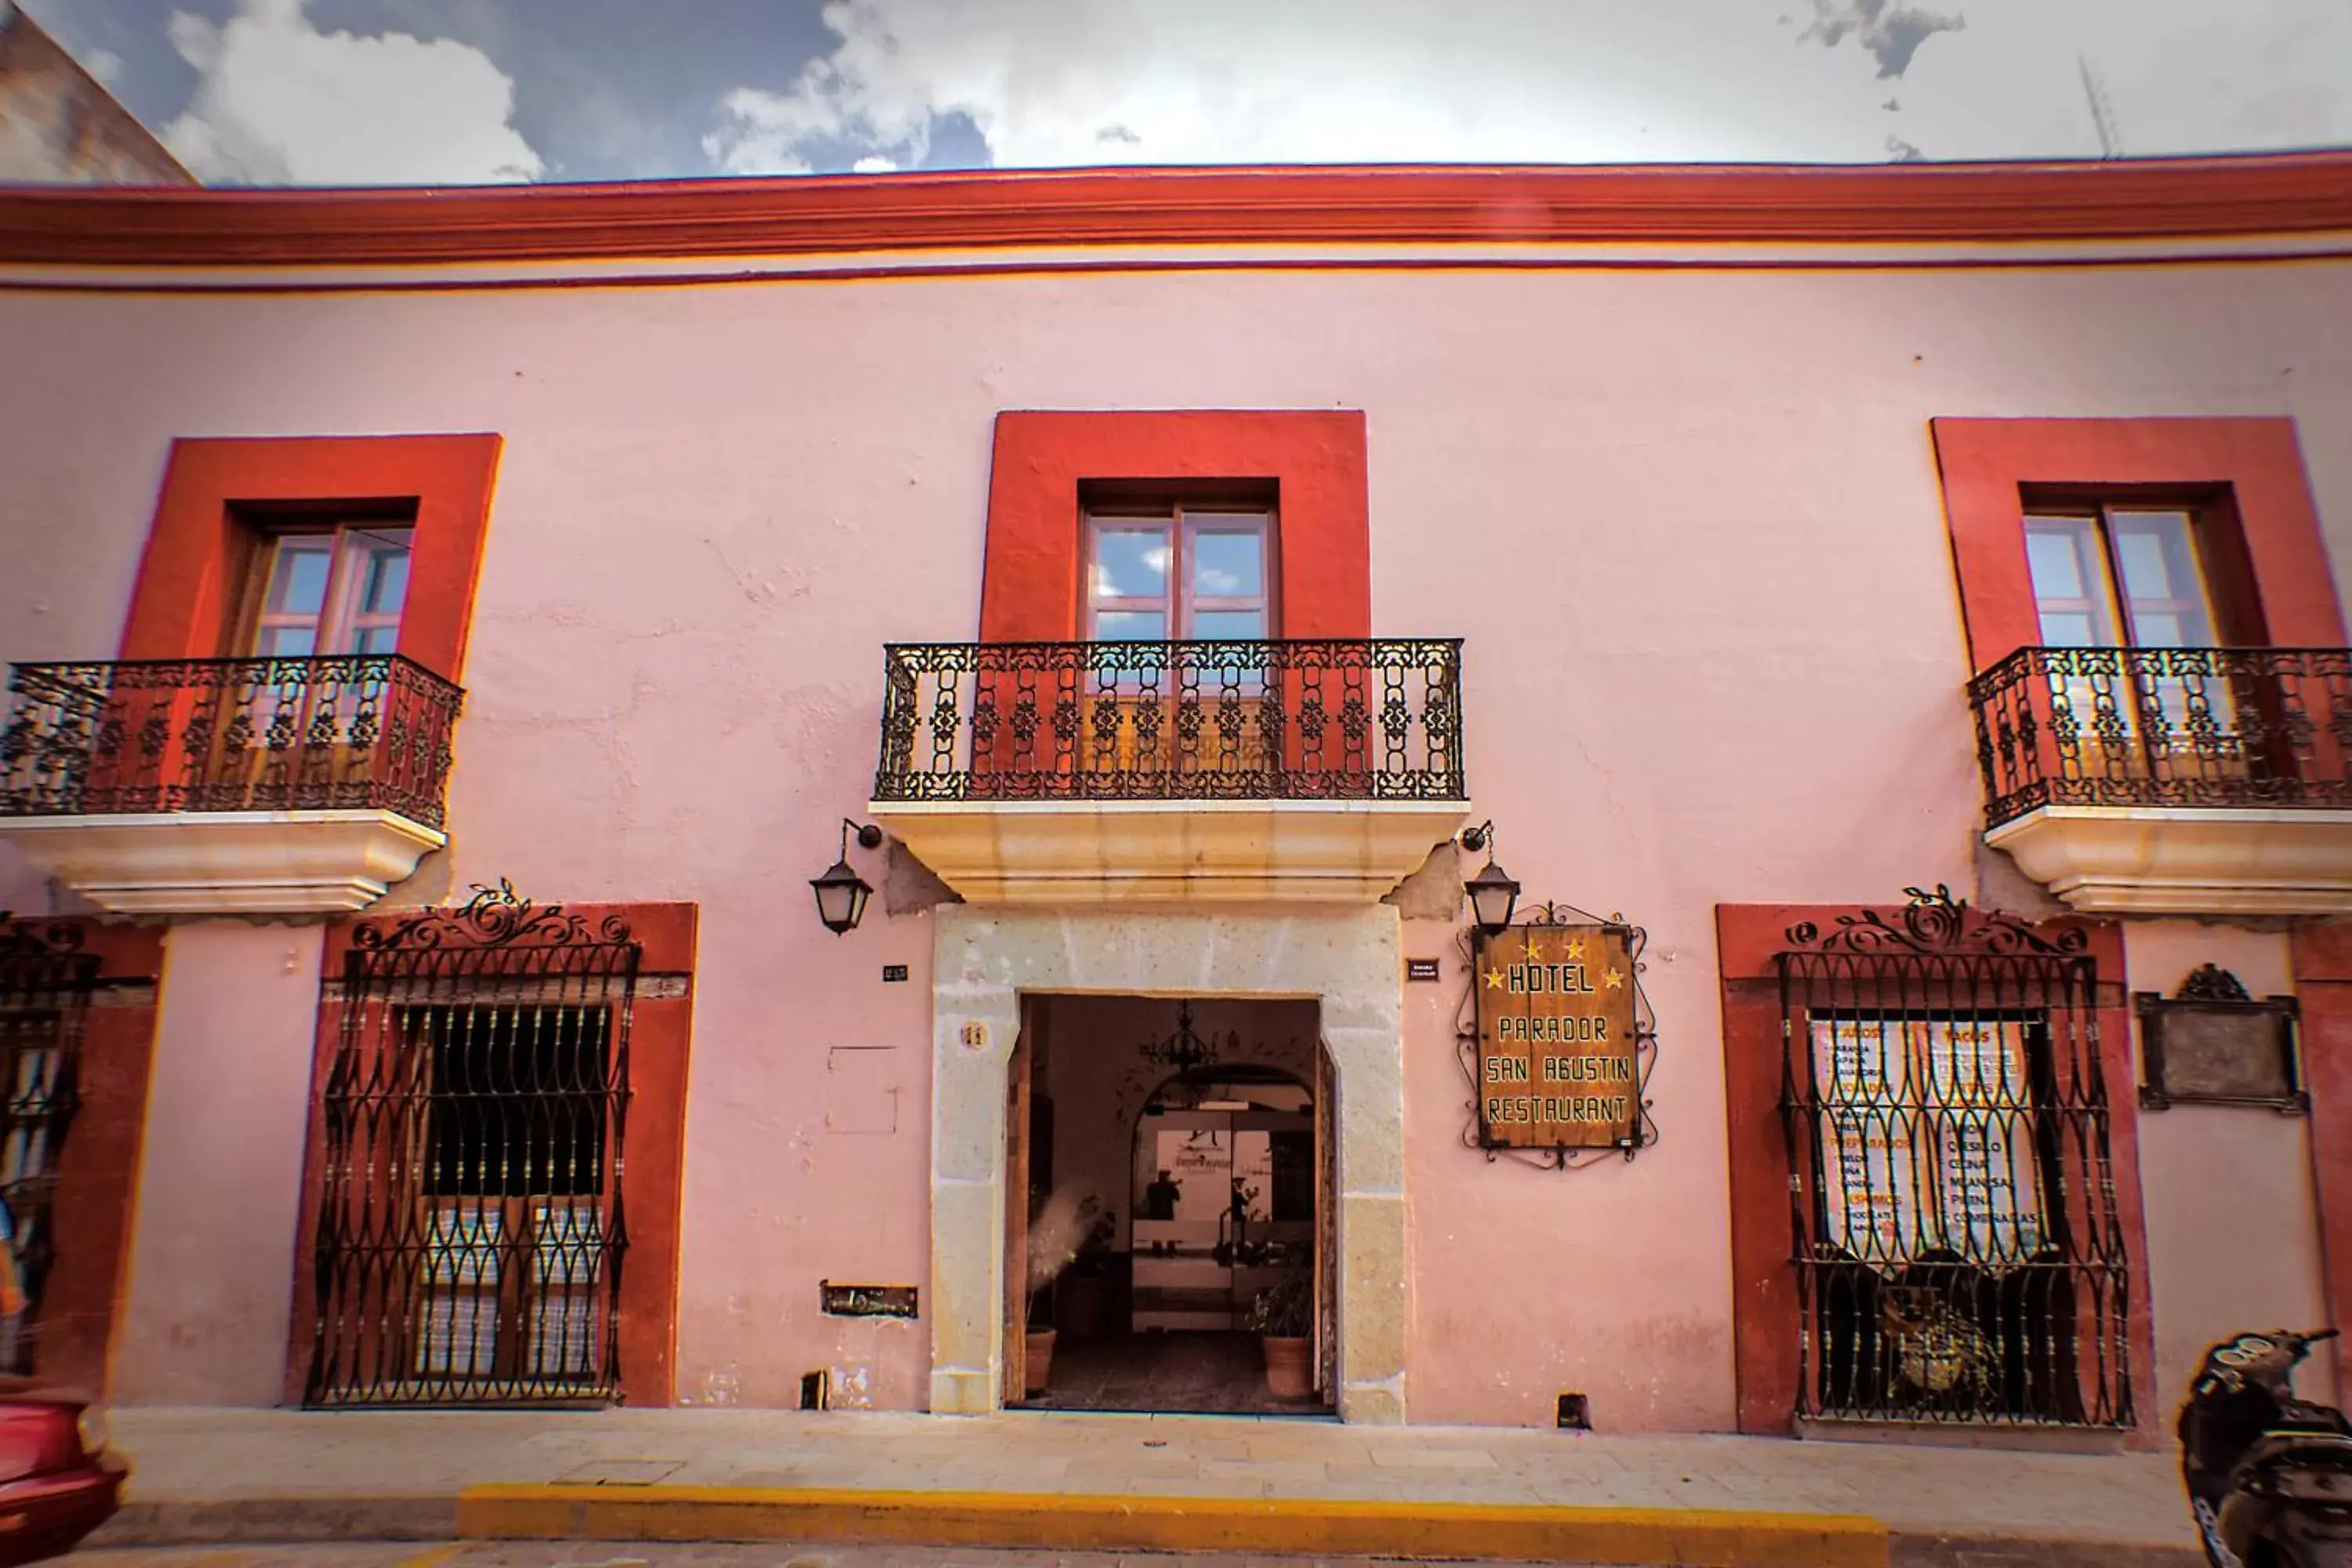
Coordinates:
x,y
1703,1538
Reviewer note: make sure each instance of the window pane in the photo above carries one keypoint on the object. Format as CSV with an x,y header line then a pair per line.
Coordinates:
x,y
1229,563
1130,561
2164,593
2069,581
2060,630
286,642
1130,625
297,581
376,640
2057,569
1229,623
385,585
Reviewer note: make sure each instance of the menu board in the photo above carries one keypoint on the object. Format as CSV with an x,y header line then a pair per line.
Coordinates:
x,y
1927,1129
1557,1055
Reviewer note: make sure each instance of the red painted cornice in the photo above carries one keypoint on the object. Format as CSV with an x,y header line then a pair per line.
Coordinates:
x,y
2284,193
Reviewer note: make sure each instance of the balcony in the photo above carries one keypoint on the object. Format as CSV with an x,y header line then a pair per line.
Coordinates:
x,y
1172,772
226,786
2173,781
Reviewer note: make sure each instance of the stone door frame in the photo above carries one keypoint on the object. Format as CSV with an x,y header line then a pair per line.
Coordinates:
x,y
1348,961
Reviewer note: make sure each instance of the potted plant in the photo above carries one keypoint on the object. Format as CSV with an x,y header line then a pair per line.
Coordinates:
x,y
1278,1316
1055,1237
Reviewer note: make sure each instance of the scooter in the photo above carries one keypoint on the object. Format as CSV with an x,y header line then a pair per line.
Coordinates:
x,y
2268,1475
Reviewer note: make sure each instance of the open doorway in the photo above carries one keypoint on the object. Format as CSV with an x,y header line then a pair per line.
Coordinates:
x,y
1174,1251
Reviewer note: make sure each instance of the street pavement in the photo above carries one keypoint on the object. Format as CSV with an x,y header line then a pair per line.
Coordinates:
x,y
294,1476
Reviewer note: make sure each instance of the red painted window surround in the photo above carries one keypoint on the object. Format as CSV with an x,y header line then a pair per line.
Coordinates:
x,y
1031,586
197,550
2323,987
2252,464
98,1168
1764,1306
661,1035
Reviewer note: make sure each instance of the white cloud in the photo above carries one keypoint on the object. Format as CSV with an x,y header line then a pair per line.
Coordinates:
x,y
104,65
1059,82
280,102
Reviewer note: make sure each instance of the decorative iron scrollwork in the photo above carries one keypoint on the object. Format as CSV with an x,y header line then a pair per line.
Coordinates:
x,y
1379,719
493,917
2164,726
47,985
472,1222
30,939
358,733
1956,1249
1933,922
2212,983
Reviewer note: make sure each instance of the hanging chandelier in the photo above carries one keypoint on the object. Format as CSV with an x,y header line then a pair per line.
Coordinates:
x,y
1184,1050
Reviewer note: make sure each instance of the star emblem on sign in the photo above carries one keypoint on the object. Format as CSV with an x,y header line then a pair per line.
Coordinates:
x,y
1494,980
1576,947
1535,948
1614,980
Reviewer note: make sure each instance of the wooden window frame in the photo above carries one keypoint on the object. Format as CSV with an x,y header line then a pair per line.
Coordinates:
x,y
1176,603
338,610
2232,615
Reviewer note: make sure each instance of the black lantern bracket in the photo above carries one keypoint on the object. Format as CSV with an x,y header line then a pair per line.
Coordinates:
x,y
2210,1043
841,892
1493,894
1646,1035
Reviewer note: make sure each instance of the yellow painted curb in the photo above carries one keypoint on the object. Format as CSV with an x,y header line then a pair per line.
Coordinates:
x,y
1701,1538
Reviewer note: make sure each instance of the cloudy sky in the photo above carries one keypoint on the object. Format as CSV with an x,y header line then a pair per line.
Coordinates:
x,y
459,91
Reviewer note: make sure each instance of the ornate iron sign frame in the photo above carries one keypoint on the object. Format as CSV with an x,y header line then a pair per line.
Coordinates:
x,y
2212,998
1477,1134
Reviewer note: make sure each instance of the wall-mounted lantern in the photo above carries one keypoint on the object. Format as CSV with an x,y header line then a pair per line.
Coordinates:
x,y
1492,895
841,894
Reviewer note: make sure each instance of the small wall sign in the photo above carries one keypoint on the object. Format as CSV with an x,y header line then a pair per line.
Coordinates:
x,y
974,1036
892,972
1421,968
2215,1045
1557,1060
866,1301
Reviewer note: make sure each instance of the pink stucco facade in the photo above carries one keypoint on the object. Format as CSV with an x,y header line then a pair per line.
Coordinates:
x,y
1686,517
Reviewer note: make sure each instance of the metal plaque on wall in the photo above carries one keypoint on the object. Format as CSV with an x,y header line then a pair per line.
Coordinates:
x,y
1558,1061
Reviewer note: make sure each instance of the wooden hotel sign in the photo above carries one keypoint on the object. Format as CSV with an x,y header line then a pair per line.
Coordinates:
x,y
1556,1063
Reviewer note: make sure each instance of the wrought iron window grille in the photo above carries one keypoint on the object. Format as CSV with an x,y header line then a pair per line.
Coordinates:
x,y
46,985
2212,1044
1275,720
2257,727
1645,1041
1954,1231
473,1223
351,734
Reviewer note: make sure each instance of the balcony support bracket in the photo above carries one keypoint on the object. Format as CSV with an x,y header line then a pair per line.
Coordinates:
x,y
2186,860
227,862
1095,852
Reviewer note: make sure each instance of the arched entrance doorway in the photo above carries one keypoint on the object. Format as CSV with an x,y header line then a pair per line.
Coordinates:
x,y
1176,1205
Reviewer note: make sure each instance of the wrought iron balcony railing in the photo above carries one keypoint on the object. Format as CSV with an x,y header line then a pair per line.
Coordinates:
x,y
228,734
2249,727
1295,719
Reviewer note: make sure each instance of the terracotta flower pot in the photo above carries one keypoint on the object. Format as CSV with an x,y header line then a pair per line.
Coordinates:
x,y
1040,1360
1289,1369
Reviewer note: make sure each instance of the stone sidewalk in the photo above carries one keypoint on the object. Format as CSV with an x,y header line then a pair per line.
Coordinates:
x,y
248,1475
